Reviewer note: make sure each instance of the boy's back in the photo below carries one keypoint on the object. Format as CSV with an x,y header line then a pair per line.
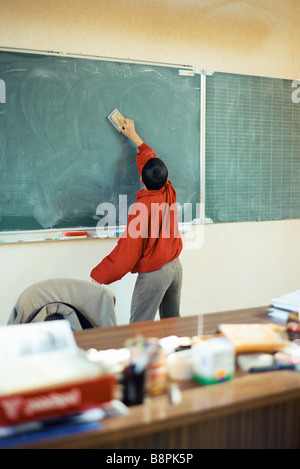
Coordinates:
x,y
151,240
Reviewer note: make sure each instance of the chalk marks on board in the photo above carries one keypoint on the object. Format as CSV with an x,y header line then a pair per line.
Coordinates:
x,y
60,158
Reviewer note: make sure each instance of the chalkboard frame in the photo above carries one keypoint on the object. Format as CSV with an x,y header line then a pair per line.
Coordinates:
x,y
56,234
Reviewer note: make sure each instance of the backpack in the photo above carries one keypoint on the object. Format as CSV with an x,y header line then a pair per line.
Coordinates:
x,y
58,310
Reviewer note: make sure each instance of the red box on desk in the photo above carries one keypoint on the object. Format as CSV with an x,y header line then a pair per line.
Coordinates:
x,y
56,401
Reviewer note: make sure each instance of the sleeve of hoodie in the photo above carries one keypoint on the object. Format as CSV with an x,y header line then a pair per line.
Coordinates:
x,y
128,251
122,258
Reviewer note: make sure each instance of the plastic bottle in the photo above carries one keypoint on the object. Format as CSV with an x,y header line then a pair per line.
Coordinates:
x,y
156,373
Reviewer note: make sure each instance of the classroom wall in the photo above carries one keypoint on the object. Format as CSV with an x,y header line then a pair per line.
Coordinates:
x,y
237,264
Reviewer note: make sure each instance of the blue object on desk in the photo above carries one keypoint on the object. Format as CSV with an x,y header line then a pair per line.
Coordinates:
x,y
278,366
33,432
46,434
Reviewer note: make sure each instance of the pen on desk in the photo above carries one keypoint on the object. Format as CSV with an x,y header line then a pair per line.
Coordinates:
x,y
278,366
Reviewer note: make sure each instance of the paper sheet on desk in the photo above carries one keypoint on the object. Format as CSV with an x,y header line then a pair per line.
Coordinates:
x,y
46,375
51,369
41,354
288,302
17,341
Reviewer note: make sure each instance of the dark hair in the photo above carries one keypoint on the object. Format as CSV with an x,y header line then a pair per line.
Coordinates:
x,y
154,174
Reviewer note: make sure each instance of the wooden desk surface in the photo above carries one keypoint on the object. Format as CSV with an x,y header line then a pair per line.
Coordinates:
x,y
251,411
114,337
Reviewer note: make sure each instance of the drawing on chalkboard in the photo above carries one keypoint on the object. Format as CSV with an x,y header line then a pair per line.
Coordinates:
x,y
59,155
2,92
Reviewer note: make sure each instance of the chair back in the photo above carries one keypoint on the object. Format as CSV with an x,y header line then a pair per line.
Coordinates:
x,y
84,304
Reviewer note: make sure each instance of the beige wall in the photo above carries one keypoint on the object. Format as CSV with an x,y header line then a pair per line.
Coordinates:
x,y
239,264
259,37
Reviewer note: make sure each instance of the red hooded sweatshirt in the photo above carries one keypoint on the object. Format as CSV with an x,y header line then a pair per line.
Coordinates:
x,y
152,236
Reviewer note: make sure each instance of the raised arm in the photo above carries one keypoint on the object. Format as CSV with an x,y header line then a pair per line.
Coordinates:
x,y
145,152
128,129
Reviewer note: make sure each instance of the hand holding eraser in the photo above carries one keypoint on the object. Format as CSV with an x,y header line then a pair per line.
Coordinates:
x,y
116,119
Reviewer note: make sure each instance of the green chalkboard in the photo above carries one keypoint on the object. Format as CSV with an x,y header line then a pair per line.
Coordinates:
x,y
59,155
252,149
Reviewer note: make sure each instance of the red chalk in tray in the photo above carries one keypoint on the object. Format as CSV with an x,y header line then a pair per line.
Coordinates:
x,y
75,234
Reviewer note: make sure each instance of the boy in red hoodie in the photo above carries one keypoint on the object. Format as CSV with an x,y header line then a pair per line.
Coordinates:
x,y
151,243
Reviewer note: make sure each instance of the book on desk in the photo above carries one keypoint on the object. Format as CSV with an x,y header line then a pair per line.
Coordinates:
x,y
289,302
286,307
49,385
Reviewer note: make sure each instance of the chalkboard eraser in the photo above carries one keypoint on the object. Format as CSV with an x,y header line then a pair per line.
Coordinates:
x,y
115,118
75,234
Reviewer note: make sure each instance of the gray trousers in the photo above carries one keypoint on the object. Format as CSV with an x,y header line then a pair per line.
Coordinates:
x,y
160,289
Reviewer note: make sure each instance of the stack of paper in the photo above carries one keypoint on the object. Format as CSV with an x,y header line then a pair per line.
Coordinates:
x,y
45,375
288,302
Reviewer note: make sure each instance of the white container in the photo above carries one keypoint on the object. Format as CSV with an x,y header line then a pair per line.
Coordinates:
x,y
213,361
179,365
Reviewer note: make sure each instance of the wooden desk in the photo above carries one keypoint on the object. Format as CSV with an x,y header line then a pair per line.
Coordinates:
x,y
114,337
251,411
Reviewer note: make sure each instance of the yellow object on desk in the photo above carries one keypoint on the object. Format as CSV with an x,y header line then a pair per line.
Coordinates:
x,y
252,337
